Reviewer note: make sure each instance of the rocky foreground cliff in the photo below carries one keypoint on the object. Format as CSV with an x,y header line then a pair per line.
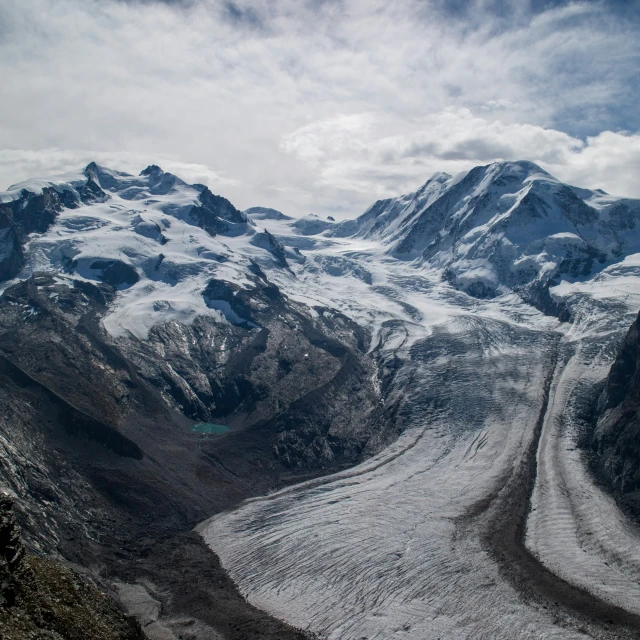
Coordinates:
x,y
616,439
42,598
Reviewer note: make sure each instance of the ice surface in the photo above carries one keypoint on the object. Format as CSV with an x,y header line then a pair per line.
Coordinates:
x,y
574,527
386,550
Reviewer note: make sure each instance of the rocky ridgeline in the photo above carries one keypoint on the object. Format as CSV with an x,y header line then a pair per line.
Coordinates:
x,y
33,211
616,439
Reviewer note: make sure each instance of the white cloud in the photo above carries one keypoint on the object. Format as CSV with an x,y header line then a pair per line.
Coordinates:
x,y
354,158
315,106
48,162
326,138
610,161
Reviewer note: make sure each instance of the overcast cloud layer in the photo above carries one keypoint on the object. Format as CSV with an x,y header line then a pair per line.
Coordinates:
x,y
320,106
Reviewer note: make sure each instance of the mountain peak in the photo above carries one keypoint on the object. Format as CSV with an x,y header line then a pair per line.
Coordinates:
x,y
520,169
508,224
152,170
92,170
439,176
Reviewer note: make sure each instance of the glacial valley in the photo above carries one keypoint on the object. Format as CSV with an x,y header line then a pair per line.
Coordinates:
x,y
427,413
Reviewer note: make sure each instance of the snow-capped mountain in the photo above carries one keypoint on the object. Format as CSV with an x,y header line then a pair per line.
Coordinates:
x,y
505,225
409,342
185,287
154,238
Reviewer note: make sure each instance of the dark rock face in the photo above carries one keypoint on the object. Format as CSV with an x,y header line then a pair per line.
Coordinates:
x,y
221,293
43,599
538,296
266,240
115,272
216,215
11,553
616,439
11,256
77,423
91,191
624,377
20,217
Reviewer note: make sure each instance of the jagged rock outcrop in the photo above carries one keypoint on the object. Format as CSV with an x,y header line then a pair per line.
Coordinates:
x,y
34,209
616,439
267,241
216,215
12,553
42,598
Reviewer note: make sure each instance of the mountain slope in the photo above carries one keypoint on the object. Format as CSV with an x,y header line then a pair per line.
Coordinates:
x,y
265,213
152,237
505,226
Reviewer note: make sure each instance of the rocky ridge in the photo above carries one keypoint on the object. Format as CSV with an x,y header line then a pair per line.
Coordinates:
x,y
616,437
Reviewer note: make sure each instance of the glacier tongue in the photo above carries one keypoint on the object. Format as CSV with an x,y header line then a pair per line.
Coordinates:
x,y
381,551
427,540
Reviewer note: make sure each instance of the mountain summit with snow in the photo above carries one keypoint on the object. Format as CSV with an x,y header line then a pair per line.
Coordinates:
x,y
153,237
508,225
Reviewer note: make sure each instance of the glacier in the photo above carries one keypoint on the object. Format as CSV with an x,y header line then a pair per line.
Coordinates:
x,y
481,520
495,301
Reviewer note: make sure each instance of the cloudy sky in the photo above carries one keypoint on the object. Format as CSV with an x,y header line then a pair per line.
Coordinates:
x,y
321,106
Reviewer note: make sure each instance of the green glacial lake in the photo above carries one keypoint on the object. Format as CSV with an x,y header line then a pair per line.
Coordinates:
x,y
209,427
